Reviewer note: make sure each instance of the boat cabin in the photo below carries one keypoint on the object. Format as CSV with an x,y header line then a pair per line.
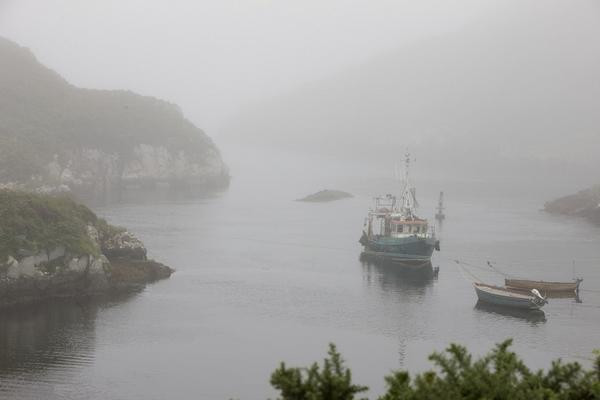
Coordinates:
x,y
400,227
395,218
395,225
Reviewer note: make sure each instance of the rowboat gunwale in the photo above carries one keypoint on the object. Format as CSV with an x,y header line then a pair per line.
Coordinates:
x,y
546,286
501,291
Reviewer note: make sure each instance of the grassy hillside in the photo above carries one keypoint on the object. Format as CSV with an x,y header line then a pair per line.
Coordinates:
x,y
41,115
30,223
62,249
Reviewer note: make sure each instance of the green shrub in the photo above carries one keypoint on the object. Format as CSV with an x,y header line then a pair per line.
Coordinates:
x,y
332,382
499,375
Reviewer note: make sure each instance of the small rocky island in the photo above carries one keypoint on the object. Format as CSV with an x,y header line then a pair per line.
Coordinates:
x,y
585,204
51,246
326,195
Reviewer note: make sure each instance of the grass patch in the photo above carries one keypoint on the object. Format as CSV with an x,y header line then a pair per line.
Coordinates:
x,y
30,223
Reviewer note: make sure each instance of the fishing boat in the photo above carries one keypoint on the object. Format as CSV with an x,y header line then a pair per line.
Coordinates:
x,y
543,286
394,233
504,297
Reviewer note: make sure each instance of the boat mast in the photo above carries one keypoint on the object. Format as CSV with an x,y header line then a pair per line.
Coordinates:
x,y
408,198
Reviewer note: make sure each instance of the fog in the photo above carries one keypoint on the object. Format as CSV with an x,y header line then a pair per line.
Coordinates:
x,y
492,88
511,96
213,58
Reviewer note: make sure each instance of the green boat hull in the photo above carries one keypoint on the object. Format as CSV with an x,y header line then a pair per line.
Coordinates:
x,y
410,248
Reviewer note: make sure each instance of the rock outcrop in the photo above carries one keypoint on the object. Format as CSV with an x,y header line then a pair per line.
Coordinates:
x,y
585,203
53,247
55,137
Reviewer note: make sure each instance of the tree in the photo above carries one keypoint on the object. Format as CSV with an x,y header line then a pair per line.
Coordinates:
x,y
499,375
331,382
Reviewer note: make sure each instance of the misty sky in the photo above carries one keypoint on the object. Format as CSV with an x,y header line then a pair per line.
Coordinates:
x,y
215,57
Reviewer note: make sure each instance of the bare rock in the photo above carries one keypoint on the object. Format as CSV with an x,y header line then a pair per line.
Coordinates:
x,y
124,245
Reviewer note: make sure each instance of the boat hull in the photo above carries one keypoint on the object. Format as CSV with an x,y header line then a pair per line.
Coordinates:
x,y
402,261
542,286
400,250
505,298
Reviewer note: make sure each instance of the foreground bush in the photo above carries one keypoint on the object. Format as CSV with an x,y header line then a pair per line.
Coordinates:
x,y
498,375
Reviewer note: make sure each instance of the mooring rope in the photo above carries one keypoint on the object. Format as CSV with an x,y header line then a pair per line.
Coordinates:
x,y
490,264
492,267
466,271
463,264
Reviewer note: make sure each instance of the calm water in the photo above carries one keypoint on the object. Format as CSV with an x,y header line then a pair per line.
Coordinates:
x,y
261,279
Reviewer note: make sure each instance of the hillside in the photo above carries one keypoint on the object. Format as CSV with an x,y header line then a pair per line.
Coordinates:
x,y
513,92
54,136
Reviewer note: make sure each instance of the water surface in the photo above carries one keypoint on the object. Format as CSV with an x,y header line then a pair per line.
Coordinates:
x,y
261,279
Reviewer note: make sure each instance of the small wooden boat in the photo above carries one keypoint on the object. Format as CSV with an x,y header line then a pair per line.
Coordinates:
x,y
500,296
542,286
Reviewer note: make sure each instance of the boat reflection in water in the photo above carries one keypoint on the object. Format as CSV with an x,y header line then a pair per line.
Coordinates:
x,y
565,295
411,277
534,316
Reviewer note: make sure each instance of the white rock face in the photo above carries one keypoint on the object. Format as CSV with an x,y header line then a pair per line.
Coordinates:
x,y
27,265
158,163
30,267
98,171
13,267
78,264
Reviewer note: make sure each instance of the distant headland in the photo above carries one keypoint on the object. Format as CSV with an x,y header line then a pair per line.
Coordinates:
x,y
325,196
95,144
585,204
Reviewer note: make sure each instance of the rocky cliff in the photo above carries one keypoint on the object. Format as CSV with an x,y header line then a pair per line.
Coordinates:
x,y
53,247
585,203
55,137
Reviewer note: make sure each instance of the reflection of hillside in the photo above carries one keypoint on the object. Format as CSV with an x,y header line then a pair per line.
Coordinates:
x,y
59,334
404,279
533,316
